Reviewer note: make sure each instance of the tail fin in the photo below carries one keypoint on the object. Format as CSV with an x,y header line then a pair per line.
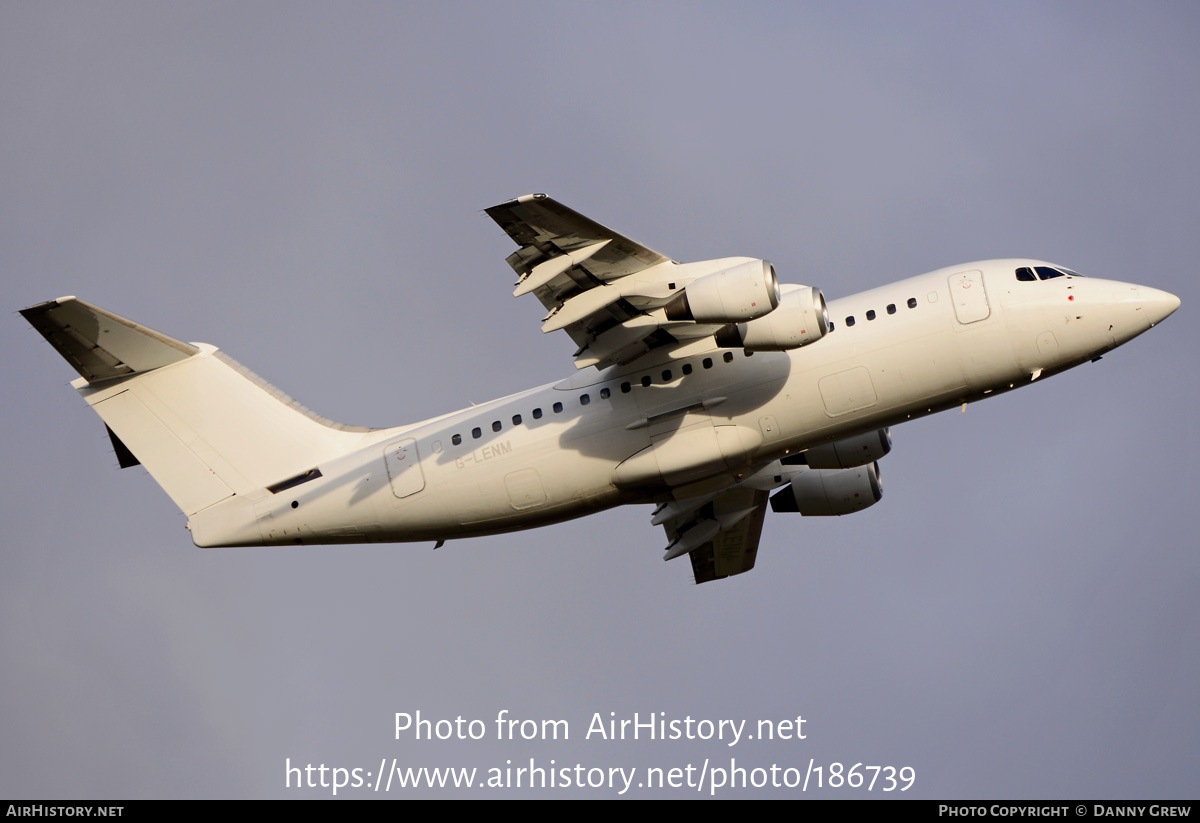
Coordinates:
x,y
205,427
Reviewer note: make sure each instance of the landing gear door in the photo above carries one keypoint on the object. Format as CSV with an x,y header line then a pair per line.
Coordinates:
x,y
404,467
969,297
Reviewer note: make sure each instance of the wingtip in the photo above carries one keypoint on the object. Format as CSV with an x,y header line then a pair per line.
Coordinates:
x,y
48,304
41,308
516,201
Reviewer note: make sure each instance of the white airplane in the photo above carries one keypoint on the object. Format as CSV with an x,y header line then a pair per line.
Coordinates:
x,y
700,387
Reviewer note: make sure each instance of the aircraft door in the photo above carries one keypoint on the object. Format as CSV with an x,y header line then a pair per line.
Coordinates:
x,y
969,297
404,467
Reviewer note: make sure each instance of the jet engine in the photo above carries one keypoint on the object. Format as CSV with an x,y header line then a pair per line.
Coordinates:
x,y
847,454
742,292
826,492
801,318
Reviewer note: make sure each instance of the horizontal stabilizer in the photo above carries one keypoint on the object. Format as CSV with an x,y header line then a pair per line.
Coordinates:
x,y
101,345
206,428
125,458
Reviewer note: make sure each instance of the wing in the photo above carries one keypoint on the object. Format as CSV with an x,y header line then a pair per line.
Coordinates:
x,y
546,230
606,291
720,533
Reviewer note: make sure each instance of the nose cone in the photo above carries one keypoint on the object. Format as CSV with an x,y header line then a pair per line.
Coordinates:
x,y
1158,305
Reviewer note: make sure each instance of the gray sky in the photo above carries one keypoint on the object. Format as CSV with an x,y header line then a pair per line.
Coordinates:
x,y
301,184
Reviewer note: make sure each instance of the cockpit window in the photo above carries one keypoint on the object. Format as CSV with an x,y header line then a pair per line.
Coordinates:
x,y
1044,272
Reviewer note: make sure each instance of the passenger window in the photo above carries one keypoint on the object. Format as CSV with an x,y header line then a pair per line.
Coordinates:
x,y
747,352
871,314
912,302
728,357
537,414
1026,274
604,394
646,381
476,432
850,320
687,368
891,308
496,425
557,408
831,325
625,388
456,439
708,362
666,376
516,419
584,400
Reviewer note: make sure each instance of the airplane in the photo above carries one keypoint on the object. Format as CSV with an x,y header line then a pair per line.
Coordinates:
x,y
707,389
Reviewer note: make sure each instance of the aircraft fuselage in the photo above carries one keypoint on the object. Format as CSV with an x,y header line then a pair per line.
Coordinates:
x,y
697,424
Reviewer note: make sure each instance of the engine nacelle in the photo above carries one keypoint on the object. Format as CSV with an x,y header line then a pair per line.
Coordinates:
x,y
738,294
800,319
827,492
851,452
